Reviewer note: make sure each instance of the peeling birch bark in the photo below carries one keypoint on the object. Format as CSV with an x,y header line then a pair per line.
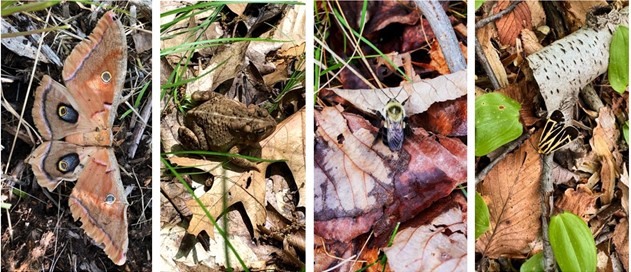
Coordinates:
x,y
564,67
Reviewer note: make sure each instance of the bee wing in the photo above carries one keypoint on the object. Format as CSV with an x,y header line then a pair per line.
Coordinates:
x,y
395,135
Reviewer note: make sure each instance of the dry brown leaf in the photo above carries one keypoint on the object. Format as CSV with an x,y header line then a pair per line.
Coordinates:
x,y
537,14
173,203
420,95
621,241
447,118
577,10
604,141
438,59
530,42
291,28
581,202
510,25
439,246
511,191
485,35
248,190
561,175
624,187
237,8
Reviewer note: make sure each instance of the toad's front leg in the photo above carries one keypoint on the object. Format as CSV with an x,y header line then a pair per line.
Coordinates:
x,y
241,162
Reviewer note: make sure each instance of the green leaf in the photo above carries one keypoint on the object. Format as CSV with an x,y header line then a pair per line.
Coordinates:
x,y
19,193
619,59
28,7
496,122
572,243
478,4
533,264
625,131
482,221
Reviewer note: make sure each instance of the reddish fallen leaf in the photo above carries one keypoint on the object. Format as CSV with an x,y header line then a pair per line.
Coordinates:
x,y
355,180
447,118
510,25
433,172
350,178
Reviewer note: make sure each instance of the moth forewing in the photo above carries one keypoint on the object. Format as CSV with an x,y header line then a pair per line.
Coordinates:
x,y
550,140
565,138
555,135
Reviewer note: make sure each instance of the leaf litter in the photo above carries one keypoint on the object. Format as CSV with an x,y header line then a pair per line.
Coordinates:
x,y
589,174
363,189
253,71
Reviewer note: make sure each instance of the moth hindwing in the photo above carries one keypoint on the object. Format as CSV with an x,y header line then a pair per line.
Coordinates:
x,y
555,134
394,124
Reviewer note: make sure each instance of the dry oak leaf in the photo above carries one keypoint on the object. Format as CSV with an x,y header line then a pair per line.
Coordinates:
x,y
438,246
248,188
420,95
511,191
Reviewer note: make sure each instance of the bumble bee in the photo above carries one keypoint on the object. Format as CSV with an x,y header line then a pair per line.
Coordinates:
x,y
394,126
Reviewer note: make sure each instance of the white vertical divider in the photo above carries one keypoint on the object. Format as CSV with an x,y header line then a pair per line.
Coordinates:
x,y
309,134
471,136
155,136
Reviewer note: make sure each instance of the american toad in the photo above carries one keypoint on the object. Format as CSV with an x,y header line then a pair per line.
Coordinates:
x,y
224,125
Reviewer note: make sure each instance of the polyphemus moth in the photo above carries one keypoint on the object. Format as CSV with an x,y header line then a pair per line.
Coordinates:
x,y
75,122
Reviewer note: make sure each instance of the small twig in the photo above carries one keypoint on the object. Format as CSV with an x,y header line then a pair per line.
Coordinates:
x,y
506,149
140,129
30,83
547,200
445,34
487,20
485,64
